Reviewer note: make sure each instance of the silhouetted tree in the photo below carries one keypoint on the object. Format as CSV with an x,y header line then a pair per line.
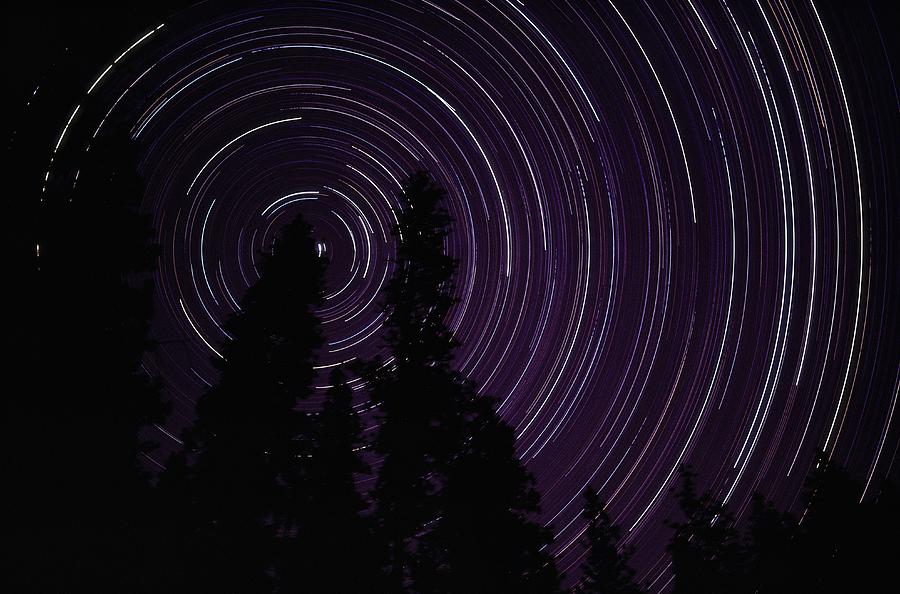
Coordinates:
x,y
771,549
76,416
417,392
452,502
840,543
831,551
706,550
333,550
605,570
244,471
485,539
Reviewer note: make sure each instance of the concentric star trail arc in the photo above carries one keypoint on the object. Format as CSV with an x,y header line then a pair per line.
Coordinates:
x,y
662,222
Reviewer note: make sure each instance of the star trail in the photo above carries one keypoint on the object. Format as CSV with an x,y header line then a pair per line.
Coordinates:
x,y
671,221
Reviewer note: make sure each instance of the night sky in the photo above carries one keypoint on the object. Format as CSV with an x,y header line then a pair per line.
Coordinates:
x,y
673,219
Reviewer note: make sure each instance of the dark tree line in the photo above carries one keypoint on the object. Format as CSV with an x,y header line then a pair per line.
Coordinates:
x,y
264,497
837,544
77,395
605,568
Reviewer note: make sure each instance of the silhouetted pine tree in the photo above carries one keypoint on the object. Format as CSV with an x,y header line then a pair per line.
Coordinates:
x,y
74,422
418,395
605,569
244,468
485,539
452,502
834,530
839,543
707,557
771,550
844,543
333,550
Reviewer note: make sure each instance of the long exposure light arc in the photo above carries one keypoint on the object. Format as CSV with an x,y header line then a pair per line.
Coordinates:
x,y
661,214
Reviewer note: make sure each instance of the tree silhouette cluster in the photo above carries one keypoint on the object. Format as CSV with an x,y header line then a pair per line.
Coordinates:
x,y
838,544
605,569
265,496
72,451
